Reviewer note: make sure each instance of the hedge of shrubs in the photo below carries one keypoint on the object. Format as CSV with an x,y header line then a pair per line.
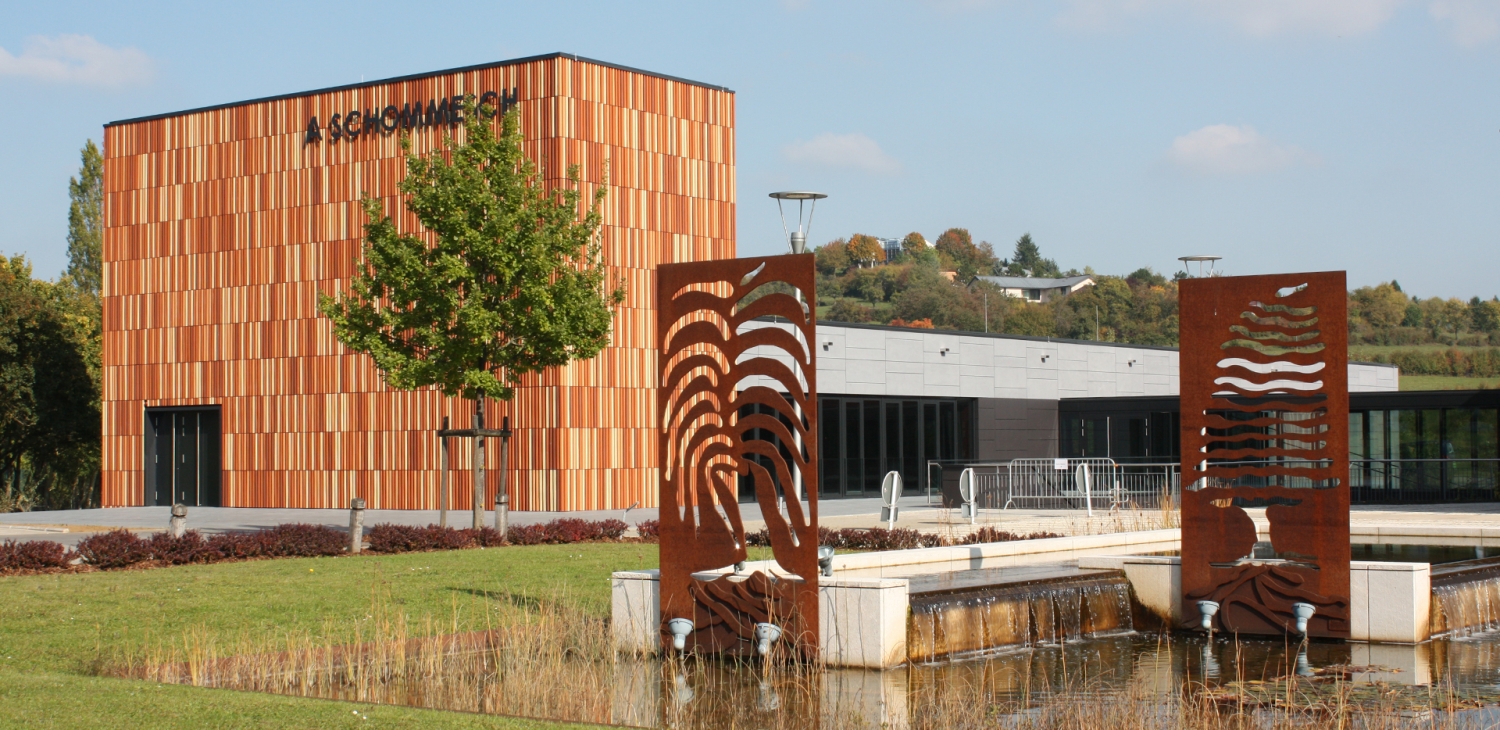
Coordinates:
x,y
121,548
406,539
35,555
1463,363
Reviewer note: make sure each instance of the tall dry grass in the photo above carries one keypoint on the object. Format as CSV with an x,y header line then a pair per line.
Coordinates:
x,y
508,654
498,653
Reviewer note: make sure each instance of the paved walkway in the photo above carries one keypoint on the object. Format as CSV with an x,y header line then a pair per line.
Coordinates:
x,y
70,526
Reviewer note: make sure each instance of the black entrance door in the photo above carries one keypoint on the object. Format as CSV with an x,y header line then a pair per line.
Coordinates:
x,y
182,456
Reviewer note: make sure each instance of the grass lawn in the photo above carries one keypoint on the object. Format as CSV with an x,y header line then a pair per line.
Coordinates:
x,y
53,627
1443,382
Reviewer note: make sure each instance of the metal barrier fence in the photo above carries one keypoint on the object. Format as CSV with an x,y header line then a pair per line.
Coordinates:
x,y
1083,484
1039,484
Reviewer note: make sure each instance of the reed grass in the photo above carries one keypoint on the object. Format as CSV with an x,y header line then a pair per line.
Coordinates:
x,y
495,653
511,654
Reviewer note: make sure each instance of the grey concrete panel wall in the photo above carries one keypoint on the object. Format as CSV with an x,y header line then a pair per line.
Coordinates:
x,y
892,361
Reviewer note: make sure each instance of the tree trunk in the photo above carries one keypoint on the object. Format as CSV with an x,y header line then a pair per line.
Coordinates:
x,y
478,464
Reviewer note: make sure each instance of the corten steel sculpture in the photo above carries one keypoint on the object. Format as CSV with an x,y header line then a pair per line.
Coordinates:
x,y
711,401
1265,423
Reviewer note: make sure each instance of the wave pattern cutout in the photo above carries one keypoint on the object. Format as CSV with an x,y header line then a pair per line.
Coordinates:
x,y
1265,423
738,406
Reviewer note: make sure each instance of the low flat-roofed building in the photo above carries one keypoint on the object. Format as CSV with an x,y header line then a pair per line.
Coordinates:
x,y
1037,289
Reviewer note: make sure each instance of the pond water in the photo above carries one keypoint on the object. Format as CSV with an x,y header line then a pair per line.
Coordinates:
x,y
1143,673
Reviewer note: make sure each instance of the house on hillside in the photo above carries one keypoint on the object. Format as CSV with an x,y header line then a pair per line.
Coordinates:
x,y
1036,289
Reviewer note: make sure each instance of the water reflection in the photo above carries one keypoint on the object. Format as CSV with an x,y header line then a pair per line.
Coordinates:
x,y
1152,672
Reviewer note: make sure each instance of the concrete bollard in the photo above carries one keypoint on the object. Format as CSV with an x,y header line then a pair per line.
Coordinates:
x,y
356,525
177,526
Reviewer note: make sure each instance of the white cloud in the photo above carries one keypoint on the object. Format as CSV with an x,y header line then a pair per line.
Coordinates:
x,y
77,59
1254,17
842,150
1471,21
1224,149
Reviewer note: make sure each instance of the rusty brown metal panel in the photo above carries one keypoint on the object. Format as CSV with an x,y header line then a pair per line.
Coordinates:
x,y
706,444
1265,424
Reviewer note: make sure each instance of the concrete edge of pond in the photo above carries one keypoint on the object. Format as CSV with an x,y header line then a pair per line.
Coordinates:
x,y
864,606
1390,602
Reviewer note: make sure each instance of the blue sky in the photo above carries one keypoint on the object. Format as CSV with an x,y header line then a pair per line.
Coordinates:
x,y
1280,134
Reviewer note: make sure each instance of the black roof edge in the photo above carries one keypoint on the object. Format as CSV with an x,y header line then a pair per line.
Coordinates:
x,y
413,77
996,335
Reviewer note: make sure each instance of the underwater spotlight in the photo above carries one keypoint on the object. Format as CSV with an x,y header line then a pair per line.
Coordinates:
x,y
1207,609
825,560
765,636
679,628
1303,612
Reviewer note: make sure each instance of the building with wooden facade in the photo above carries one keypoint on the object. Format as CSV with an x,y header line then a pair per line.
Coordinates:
x,y
223,384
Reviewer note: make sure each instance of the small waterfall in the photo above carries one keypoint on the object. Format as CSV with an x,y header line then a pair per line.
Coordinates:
x,y
956,623
1464,606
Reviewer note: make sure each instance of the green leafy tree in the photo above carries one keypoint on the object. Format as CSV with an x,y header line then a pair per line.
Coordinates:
x,y
505,279
832,258
86,222
1027,260
1445,317
1484,316
1379,307
49,392
845,310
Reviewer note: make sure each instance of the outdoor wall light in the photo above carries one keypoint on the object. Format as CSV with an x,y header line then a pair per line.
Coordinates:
x,y
825,560
1207,609
766,635
1303,612
679,628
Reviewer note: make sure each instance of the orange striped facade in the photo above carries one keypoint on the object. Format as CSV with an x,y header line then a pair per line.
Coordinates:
x,y
223,226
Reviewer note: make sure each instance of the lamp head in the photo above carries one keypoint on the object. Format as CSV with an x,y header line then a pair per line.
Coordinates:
x,y
797,240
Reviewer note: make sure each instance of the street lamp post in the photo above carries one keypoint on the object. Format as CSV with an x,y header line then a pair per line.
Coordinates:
x,y
797,242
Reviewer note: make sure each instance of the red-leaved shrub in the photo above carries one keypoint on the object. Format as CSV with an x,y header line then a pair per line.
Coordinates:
x,y
114,549
387,538
234,546
485,537
612,529
851,538
33,555
649,529
526,535
992,534
190,548
303,541
569,530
